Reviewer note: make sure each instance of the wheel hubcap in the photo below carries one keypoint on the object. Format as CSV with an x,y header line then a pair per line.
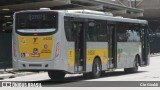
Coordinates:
x,y
97,69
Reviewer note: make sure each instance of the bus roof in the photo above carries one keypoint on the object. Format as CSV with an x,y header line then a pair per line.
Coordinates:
x,y
101,15
92,15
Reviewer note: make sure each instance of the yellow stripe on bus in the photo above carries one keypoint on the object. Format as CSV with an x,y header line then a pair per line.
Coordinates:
x,y
90,55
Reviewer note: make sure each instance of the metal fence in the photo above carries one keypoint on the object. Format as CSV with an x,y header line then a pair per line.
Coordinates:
x,y
155,44
5,50
154,25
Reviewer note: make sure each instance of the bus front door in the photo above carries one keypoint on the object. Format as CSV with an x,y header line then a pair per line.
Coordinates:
x,y
112,46
80,46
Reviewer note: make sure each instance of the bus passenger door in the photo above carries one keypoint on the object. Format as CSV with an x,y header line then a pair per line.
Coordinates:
x,y
80,46
145,46
112,46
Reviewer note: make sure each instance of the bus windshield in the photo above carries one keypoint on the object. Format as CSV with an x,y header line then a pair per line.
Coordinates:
x,y
36,22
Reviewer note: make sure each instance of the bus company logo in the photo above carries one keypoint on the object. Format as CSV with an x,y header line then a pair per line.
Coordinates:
x,y
23,41
35,40
35,50
24,54
45,46
46,50
35,53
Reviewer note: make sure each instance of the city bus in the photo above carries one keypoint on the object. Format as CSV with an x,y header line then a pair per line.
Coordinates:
x,y
78,42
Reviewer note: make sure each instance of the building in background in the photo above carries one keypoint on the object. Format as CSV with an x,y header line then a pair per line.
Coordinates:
x,y
145,9
8,7
151,11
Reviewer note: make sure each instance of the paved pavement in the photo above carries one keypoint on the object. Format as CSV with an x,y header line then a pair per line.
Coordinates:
x,y
150,73
10,73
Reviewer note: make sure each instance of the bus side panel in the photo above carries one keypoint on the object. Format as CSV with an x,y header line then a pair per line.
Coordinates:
x,y
126,53
99,49
14,46
14,51
62,61
71,57
93,49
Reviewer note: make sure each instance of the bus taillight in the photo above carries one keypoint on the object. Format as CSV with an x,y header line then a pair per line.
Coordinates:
x,y
58,49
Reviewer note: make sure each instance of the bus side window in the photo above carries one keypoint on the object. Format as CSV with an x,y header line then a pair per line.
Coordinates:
x,y
68,26
96,31
128,32
136,30
91,31
102,32
122,32
133,34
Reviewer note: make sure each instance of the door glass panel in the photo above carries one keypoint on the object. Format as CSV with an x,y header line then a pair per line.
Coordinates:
x,y
79,44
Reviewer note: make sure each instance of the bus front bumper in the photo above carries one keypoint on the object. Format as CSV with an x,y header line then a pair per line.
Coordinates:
x,y
38,66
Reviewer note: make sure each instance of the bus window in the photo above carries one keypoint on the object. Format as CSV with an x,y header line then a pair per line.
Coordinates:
x,y
91,32
128,32
133,34
102,32
68,26
122,29
96,31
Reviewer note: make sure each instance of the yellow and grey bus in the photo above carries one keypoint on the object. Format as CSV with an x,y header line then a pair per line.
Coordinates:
x,y
78,41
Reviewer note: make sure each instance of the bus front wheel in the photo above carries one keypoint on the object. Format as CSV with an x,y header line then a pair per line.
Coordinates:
x,y
56,75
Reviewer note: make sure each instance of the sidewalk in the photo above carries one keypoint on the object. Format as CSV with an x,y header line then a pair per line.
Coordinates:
x,y
9,73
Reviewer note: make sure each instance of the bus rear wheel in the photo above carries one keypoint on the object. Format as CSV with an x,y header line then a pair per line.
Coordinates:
x,y
56,75
134,69
96,68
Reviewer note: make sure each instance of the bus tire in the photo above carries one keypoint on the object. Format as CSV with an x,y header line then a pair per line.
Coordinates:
x,y
96,68
87,75
56,75
134,69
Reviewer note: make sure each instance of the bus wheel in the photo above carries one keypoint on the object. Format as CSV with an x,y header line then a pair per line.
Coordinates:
x,y
134,69
87,75
96,68
56,75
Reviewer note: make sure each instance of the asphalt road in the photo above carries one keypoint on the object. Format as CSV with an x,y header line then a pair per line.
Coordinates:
x,y
149,73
